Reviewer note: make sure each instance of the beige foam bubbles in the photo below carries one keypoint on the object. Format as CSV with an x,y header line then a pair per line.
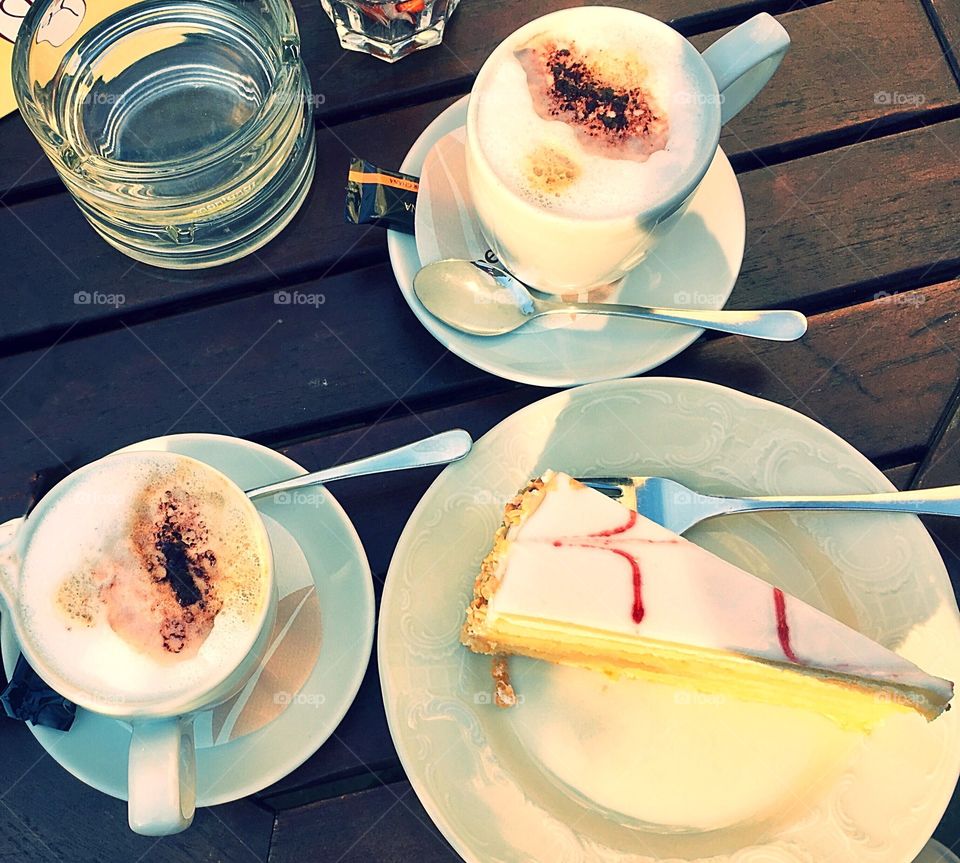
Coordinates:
x,y
632,146
146,580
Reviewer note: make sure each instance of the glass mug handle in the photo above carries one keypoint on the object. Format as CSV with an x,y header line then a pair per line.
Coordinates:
x,y
162,776
744,60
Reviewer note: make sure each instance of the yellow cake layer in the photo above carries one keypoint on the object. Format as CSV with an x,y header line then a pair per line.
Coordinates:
x,y
853,702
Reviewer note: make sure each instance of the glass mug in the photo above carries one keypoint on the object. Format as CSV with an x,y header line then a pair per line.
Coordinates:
x,y
182,128
560,253
161,777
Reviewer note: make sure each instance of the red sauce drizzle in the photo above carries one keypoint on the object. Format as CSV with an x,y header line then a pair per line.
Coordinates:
x,y
637,583
783,627
631,521
638,610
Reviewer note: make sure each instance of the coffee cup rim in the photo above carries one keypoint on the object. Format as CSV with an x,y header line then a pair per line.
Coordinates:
x,y
663,207
118,707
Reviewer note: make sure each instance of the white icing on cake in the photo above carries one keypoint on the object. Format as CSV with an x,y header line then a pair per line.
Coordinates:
x,y
690,597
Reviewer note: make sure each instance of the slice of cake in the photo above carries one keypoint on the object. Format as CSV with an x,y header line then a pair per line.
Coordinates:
x,y
576,578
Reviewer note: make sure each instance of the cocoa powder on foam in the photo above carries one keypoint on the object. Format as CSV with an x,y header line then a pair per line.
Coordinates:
x,y
163,591
603,97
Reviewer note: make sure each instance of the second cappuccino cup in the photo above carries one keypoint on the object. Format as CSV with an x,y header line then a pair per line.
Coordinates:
x,y
590,129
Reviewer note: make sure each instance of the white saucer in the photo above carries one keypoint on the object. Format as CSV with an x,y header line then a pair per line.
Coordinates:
x,y
695,266
596,770
95,748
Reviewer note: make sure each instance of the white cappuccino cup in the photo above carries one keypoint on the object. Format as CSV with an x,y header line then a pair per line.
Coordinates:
x,y
141,587
589,130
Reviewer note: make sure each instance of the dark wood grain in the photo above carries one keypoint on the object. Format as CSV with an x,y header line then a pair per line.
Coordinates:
x,y
48,243
850,371
901,475
273,373
941,465
946,14
386,825
49,246
46,815
845,71
815,226
879,213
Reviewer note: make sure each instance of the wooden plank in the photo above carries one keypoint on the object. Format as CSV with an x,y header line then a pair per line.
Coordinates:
x,y
844,72
941,466
46,814
901,475
880,212
947,16
237,369
849,371
386,824
50,247
350,83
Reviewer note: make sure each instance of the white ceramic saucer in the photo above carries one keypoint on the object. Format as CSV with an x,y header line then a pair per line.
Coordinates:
x,y
310,529
596,770
695,266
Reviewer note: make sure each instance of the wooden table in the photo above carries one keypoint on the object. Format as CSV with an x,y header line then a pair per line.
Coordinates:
x,y
850,169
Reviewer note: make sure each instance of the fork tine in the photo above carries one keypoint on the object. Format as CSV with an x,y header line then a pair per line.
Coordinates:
x,y
610,486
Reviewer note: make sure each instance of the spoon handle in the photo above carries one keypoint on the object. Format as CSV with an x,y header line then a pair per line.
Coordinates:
x,y
778,325
441,448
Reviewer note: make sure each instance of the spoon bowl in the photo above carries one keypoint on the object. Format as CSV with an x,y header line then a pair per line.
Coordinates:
x,y
484,300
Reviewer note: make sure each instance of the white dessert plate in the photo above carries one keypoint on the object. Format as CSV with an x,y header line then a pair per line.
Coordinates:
x,y
95,748
593,770
695,266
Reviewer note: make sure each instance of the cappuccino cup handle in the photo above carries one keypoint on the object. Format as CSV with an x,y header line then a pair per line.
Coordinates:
x,y
162,776
744,60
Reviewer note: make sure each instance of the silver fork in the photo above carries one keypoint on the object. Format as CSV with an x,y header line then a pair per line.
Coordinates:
x,y
679,508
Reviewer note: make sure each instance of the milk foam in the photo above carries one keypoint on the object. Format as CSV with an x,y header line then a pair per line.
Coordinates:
x,y
86,541
601,185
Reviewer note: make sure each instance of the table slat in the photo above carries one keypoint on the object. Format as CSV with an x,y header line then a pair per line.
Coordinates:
x,y
48,815
879,374
805,214
386,824
844,73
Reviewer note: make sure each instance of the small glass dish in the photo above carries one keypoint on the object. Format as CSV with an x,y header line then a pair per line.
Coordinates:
x,y
389,29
